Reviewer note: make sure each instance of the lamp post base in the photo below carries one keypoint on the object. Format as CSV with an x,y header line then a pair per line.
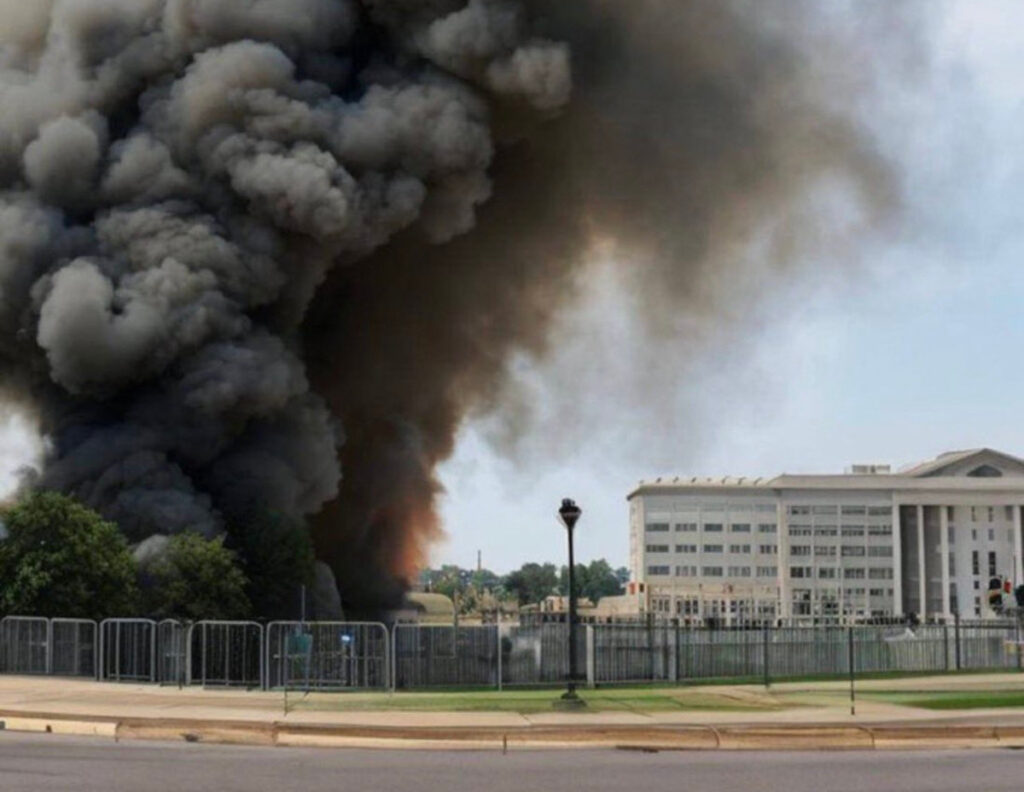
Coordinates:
x,y
569,701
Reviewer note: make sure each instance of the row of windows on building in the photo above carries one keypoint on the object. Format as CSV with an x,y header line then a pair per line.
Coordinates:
x,y
830,509
845,530
692,527
819,551
796,572
989,511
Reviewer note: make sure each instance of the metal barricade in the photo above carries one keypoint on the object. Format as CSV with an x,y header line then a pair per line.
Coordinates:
x,y
539,655
633,652
128,650
439,655
172,652
25,645
74,648
226,653
328,655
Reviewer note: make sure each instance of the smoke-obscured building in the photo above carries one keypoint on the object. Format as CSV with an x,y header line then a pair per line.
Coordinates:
x,y
871,543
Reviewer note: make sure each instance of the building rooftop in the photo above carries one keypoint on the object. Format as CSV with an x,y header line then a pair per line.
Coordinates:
x,y
983,469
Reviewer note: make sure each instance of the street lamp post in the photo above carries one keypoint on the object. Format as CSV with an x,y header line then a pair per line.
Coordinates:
x,y
569,513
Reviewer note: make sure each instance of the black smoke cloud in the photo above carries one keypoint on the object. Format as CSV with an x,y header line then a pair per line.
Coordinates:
x,y
270,253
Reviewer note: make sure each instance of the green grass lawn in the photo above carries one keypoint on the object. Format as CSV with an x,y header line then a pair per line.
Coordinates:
x,y
960,699
530,701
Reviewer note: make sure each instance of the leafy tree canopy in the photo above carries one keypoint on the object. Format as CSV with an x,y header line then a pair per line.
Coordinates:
x,y
532,582
62,559
195,578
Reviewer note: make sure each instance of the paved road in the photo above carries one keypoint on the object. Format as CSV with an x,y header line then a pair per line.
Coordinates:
x,y
54,764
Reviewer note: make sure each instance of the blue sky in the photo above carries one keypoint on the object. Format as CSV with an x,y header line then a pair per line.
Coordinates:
x,y
916,352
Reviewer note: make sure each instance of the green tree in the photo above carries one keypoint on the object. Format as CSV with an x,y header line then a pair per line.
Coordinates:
x,y
593,581
62,559
532,582
195,578
276,554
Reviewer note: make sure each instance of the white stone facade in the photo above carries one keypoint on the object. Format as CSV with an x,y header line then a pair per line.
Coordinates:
x,y
824,548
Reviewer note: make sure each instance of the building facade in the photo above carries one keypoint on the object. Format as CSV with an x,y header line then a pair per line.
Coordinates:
x,y
868,544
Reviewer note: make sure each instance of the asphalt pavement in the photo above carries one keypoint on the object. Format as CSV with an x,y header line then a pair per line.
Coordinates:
x,y
45,763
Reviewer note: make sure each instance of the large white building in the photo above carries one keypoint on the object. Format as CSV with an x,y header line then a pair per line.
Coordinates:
x,y
871,543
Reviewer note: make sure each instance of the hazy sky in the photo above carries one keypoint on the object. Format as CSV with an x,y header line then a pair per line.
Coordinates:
x,y
914,353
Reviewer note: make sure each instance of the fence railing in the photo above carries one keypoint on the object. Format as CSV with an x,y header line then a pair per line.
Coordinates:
x,y
367,656
328,655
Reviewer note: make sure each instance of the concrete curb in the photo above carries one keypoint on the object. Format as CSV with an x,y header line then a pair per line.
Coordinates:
x,y
642,738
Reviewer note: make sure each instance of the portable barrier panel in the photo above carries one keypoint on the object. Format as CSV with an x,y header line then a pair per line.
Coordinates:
x,y
439,655
128,650
74,648
634,652
24,645
328,655
226,653
539,654
172,652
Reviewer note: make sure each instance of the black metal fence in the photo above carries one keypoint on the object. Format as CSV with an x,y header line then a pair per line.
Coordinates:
x,y
369,656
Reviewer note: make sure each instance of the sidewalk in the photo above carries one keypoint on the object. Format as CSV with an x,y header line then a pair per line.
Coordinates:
x,y
816,715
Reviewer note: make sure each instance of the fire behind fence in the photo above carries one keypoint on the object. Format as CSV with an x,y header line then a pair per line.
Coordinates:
x,y
368,656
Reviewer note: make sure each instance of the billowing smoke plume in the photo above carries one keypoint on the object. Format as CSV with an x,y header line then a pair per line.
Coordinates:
x,y
267,254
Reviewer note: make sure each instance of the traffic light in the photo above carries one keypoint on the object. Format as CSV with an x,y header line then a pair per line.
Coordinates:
x,y
995,594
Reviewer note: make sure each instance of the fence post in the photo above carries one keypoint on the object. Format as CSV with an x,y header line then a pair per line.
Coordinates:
x,y
945,645
590,655
49,647
497,640
956,638
853,702
764,650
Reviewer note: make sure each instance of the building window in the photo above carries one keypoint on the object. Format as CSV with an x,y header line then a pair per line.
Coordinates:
x,y
826,573
974,514
742,549
880,573
712,527
952,565
712,548
991,563
711,571
880,552
768,528
975,563
991,534
825,551
800,550
689,527
686,571
949,513
767,571
852,550
799,509
800,530
854,510
657,570
879,511
739,571
653,548
974,534
657,527
740,528
880,530
977,585
1009,512
991,513
686,548
767,549
853,573
853,530
825,531
801,572
825,510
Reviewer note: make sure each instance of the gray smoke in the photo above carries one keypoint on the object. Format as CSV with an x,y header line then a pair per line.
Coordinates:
x,y
246,246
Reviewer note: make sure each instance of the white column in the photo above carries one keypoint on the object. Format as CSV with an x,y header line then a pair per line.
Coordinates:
x,y
1018,561
944,546
782,549
897,561
922,580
